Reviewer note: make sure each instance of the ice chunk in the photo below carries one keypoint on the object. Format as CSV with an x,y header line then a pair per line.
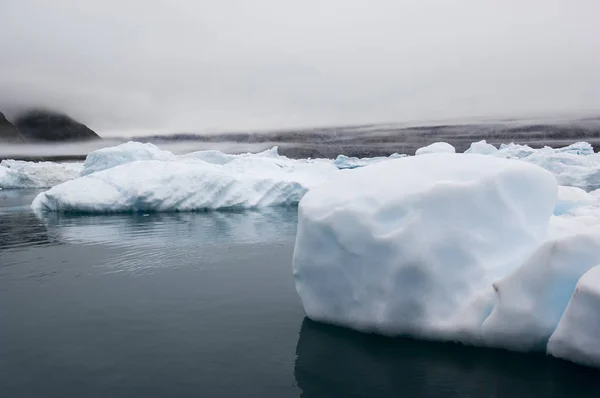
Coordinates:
x,y
571,197
577,336
345,162
185,186
482,147
436,147
513,151
400,246
531,300
569,169
578,148
131,151
15,174
218,157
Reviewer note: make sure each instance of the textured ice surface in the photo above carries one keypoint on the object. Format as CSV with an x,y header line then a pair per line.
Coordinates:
x,y
570,198
400,246
218,157
577,336
532,299
185,185
131,151
15,174
482,147
436,147
345,162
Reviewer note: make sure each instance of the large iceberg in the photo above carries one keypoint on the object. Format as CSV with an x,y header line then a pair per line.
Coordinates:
x,y
186,185
400,246
456,248
16,174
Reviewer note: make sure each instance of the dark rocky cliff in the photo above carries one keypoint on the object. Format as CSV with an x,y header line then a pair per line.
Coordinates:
x,y
8,132
43,125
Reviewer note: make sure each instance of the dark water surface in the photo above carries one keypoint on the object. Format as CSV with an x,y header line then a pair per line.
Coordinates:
x,y
204,305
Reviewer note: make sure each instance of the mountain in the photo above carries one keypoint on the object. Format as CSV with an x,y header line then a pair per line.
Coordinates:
x,y
8,132
43,125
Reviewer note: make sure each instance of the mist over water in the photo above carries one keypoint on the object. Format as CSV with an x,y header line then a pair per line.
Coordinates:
x,y
214,67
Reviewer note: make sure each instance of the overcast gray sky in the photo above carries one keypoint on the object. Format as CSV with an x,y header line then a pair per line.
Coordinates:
x,y
195,65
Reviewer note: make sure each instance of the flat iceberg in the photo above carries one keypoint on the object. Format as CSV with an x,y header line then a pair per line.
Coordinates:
x,y
186,185
16,174
577,336
436,147
400,246
128,152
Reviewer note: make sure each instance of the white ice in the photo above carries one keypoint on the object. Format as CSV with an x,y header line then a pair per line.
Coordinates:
x,y
186,185
482,147
128,152
400,246
577,336
347,162
436,147
16,174
456,248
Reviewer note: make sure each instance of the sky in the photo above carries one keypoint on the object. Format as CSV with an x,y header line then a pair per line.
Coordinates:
x,y
211,66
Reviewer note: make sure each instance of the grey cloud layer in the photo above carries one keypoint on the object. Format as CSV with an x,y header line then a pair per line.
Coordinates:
x,y
228,65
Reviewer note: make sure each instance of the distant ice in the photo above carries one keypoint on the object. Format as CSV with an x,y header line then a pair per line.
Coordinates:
x,y
345,162
482,147
107,158
16,174
436,147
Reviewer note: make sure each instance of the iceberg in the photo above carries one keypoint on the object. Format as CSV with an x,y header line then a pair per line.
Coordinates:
x,y
345,162
16,174
400,246
577,336
436,147
482,147
218,157
186,185
128,152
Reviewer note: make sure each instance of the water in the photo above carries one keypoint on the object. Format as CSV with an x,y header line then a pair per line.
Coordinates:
x,y
204,305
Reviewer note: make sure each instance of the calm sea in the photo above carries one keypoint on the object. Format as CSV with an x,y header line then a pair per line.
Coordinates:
x,y
204,305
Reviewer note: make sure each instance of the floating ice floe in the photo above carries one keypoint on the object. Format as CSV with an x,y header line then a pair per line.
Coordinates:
x,y
455,249
187,185
16,174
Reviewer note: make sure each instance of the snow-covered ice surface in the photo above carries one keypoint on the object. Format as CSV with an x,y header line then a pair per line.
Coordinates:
x,y
399,246
482,248
482,147
457,248
128,152
436,147
187,183
345,162
16,174
577,336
